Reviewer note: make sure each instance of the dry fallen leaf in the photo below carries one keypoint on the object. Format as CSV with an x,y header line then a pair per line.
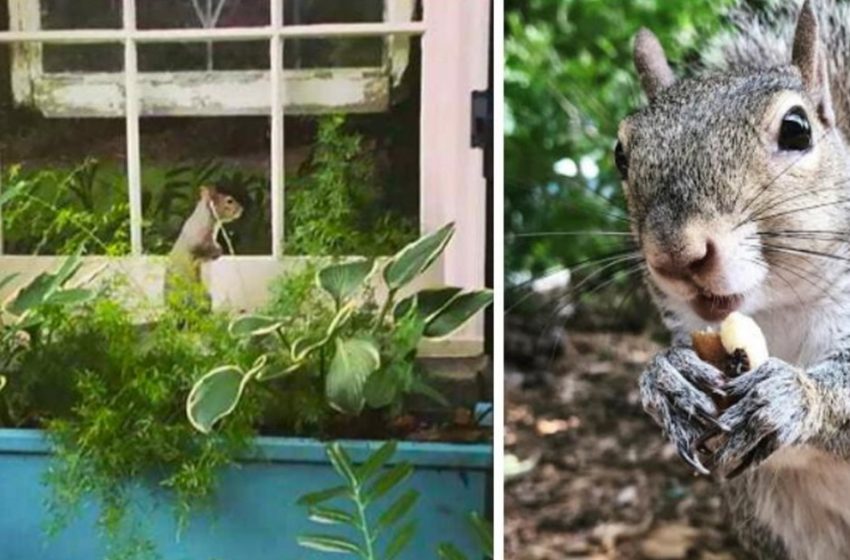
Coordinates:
x,y
669,542
547,427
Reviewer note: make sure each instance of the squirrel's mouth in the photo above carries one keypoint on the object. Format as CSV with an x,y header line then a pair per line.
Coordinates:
x,y
713,307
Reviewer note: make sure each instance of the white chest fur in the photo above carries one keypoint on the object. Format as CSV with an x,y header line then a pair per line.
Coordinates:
x,y
805,493
804,497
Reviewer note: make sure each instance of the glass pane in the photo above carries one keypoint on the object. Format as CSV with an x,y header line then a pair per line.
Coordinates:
x,y
74,14
176,57
165,14
303,12
71,175
337,52
334,53
352,181
182,155
83,58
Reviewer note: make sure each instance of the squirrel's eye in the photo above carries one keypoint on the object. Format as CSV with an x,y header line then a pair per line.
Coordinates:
x,y
795,132
621,161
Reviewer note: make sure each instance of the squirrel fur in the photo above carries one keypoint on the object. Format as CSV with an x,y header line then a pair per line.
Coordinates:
x,y
198,243
738,186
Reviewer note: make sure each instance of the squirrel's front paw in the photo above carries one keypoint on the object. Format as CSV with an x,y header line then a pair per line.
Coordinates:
x,y
675,391
771,406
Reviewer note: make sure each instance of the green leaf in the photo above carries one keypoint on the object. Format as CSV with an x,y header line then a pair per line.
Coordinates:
x,y
421,387
413,259
398,509
9,193
2,382
314,498
448,551
6,279
388,480
68,269
376,460
342,464
427,302
331,516
382,388
483,532
70,297
329,543
354,361
344,279
401,539
252,325
31,295
457,312
214,396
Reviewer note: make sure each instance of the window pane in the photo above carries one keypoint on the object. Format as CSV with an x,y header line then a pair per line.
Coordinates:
x,y
334,53
74,14
353,179
181,155
83,58
303,12
71,173
176,57
165,14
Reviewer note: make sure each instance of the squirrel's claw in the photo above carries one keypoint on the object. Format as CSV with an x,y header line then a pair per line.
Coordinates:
x,y
769,414
675,391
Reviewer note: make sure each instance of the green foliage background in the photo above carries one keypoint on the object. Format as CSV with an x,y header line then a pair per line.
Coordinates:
x,y
569,79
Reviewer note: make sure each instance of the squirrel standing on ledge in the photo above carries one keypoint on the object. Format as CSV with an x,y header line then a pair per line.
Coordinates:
x,y
738,187
198,243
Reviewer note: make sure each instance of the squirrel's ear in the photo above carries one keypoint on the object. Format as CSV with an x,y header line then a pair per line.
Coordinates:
x,y
651,63
809,57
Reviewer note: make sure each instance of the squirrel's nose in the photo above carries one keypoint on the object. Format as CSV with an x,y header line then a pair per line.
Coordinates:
x,y
695,259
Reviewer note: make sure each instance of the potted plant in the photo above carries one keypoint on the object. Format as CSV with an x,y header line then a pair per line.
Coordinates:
x,y
165,416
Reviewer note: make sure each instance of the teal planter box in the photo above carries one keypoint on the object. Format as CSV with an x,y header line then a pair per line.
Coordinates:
x,y
255,517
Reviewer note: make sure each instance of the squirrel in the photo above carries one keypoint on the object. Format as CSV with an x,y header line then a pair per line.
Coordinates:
x,y
737,182
198,243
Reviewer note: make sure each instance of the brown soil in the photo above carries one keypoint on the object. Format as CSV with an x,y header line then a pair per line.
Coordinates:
x,y
600,482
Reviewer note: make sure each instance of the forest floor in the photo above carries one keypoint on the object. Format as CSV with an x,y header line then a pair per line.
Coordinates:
x,y
594,479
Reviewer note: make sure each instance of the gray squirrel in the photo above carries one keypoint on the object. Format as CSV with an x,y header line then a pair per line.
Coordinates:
x,y
196,244
738,187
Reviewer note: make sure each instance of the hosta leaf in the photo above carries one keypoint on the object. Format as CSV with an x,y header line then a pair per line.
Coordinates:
x,y
457,312
400,541
214,396
70,297
329,543
388,480
341,462
376,460
427,301
448,551
314,498
342,280
398,509
252,325
6,279
381,388
331,516
31,295
355,359
417,256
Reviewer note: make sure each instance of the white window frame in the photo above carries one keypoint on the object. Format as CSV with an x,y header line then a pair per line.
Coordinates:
x,y
201,93
452,189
